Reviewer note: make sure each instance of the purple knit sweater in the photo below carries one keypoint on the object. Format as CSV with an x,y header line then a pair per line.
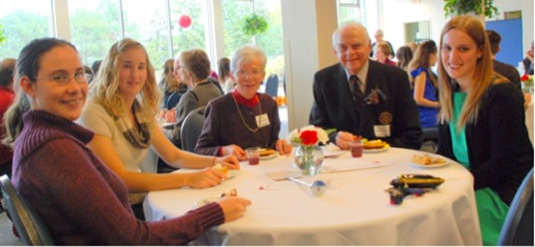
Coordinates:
x,y
82,201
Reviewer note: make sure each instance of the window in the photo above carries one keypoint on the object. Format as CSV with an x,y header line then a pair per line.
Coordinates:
x,y
148,23
194,35
23,21
95,26
271,41
349,10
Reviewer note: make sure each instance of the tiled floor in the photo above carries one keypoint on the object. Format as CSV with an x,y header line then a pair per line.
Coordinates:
x,y
6,232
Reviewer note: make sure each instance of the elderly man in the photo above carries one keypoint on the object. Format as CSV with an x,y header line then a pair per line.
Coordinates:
x,y
362,97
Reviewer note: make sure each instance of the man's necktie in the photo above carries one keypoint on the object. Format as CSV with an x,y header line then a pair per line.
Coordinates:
x,y
355,83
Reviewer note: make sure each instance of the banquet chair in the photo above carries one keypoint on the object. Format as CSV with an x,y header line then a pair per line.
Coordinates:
x,y
518,226
191,129
29,225
272,85
430,136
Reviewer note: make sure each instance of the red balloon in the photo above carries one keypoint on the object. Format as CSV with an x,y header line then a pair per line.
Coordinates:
x,y
184,21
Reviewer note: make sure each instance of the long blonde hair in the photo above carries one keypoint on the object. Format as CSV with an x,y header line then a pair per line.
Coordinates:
x,y
482,76
169,81
105,87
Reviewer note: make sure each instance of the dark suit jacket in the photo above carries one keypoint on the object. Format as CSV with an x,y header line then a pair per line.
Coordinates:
x,y
508,72
334,107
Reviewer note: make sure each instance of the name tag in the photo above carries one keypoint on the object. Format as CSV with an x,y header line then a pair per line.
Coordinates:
x,y
381,130
262,120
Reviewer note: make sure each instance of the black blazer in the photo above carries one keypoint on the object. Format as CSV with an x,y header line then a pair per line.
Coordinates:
x,y
499,149
334,106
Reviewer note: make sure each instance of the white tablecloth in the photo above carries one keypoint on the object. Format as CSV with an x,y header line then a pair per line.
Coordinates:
x,y
355,209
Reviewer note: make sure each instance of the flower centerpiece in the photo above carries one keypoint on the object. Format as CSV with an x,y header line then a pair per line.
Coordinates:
x,y
527,83
308,155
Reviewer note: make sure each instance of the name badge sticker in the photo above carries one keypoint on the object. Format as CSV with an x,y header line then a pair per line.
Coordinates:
x,y
262,120
381,130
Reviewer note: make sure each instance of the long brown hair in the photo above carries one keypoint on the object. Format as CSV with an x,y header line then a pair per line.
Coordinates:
x,y
482,76
421,59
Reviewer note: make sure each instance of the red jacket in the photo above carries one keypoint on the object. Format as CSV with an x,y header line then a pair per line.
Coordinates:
x,y
6,98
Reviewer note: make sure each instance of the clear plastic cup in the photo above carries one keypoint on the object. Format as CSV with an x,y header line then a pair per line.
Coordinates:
x,y
253,155
356,147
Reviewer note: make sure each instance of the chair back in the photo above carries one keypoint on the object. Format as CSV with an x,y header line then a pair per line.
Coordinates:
x,y
30,227
518,226
191,129
272,85
430,135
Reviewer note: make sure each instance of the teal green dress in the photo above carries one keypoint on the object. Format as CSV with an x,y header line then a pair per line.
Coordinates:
x,y
490,207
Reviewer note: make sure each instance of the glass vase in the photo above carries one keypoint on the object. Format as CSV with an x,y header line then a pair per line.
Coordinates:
x,y
309,159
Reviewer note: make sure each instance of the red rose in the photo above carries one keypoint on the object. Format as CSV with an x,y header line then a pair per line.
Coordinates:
x,y
524,78
309,137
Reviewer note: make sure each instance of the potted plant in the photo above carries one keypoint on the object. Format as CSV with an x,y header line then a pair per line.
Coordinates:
x,y
254,24
478,7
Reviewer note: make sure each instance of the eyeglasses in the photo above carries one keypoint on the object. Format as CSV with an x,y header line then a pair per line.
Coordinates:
x,y
79,77
254,73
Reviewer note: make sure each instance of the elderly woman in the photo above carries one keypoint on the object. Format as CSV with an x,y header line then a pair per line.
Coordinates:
x,y
195,72
383,53
242,118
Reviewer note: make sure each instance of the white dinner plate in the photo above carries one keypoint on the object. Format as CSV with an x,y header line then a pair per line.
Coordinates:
x,y
168,125
376,150
271,156
232,173
436,165
331,150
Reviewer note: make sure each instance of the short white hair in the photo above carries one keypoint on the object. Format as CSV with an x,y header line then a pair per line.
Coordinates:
x,y
346,25
247,53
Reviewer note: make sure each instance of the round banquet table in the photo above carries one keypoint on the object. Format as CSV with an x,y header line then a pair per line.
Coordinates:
x,y
355,209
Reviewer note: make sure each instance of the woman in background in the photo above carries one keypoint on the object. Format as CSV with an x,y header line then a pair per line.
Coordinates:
x,y
482,123
425,83
195,71
243,118
224,74
80,200
383,52
171,87
404,56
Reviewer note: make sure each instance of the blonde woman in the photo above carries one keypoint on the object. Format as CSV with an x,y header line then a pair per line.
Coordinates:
x,y
481,122
121,111
171,87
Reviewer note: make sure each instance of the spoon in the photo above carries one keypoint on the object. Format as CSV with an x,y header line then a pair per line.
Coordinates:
x,y
317,187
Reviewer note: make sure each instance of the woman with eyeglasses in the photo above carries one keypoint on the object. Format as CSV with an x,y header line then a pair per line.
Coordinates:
x,y
81,200
195,71
243,118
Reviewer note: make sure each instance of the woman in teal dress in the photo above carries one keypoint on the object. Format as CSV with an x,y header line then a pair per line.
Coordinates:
x,y
481,122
